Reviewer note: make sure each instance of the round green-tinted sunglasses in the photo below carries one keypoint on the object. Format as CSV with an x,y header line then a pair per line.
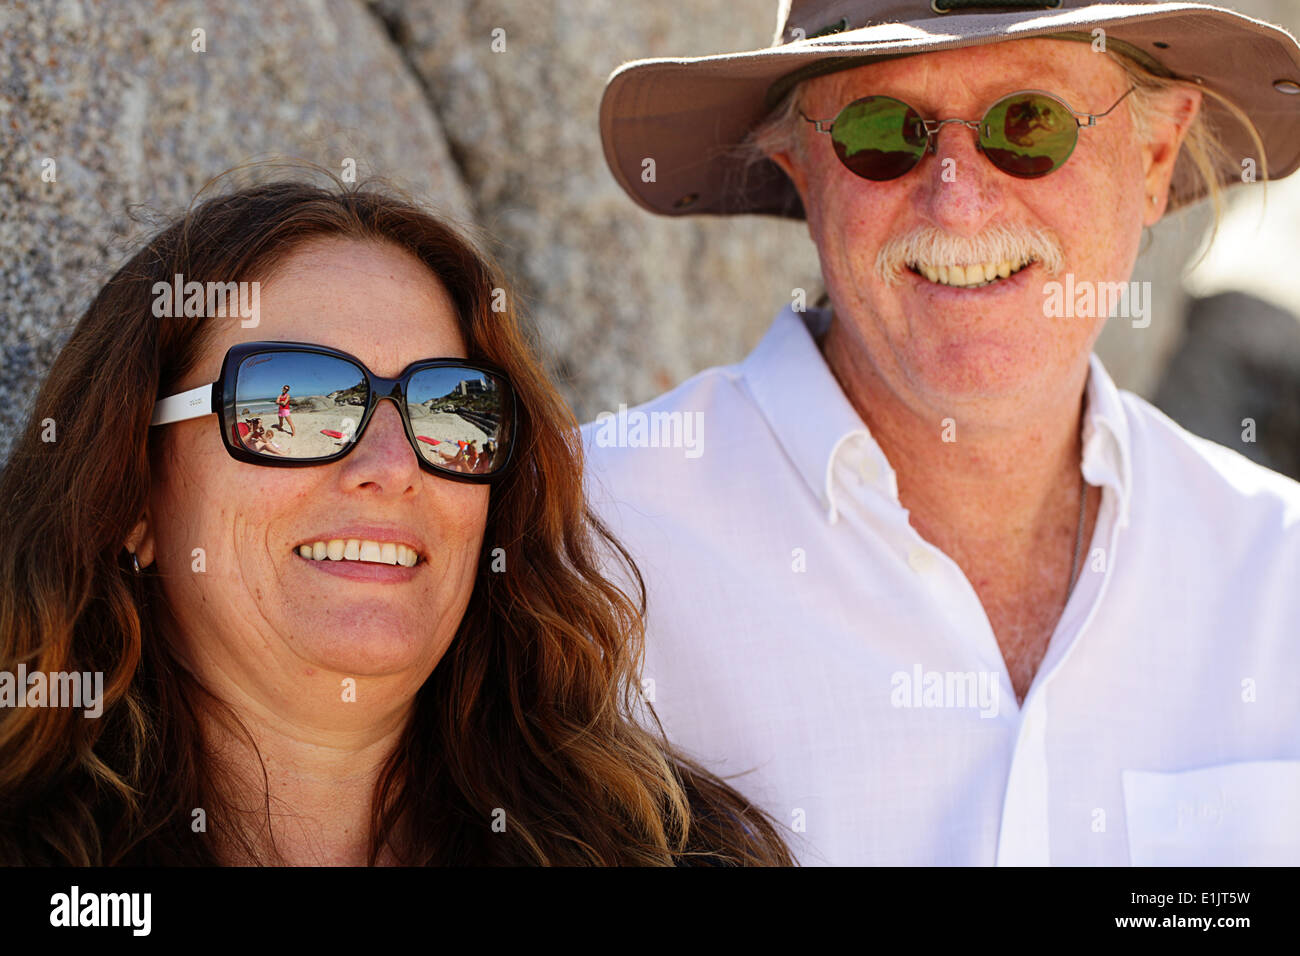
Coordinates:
x,y
1025,134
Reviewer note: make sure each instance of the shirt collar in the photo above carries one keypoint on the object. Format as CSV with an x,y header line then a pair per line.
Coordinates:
x,y
794,388
1107,445
813,421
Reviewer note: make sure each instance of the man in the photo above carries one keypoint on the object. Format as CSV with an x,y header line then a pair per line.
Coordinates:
x,y
930,585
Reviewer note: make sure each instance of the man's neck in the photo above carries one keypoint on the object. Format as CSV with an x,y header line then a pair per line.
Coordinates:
x,y
997,493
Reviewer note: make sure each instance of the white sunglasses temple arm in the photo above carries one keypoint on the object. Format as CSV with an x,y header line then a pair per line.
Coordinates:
x,y
195,403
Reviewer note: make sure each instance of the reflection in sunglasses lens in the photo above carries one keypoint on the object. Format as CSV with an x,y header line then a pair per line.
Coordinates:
x,y
879,137
297,405
1029,135
459,419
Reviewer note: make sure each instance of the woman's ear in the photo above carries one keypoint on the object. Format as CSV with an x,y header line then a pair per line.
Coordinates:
x,y
140,541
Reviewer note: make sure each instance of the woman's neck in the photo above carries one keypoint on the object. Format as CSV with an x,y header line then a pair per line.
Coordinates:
x,y
304,795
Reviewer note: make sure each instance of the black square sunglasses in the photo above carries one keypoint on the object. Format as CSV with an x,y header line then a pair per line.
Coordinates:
x,y
459,415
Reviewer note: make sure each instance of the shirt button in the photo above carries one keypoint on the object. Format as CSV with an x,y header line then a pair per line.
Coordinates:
x,y
921,560
868,470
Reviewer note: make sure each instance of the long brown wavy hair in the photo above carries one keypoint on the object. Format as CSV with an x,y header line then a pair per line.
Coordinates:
x,y
530,708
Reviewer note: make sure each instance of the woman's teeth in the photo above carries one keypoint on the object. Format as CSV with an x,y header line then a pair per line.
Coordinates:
x,y
356,549
970,277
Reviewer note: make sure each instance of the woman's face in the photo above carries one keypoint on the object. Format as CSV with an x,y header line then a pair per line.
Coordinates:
x,y
254,613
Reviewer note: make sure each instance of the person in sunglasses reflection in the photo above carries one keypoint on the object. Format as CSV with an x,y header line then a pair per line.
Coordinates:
x,y
260,439
459,459
1037,620
392,660
283,411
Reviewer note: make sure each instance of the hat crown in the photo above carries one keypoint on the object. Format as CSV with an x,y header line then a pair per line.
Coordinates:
x,y
800,19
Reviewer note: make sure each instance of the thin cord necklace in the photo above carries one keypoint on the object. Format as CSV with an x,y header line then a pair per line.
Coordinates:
x,y
1078,537
1083,490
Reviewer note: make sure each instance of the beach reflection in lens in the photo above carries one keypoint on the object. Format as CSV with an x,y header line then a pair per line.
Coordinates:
x,y
1029,135
879,137
456,414
309,418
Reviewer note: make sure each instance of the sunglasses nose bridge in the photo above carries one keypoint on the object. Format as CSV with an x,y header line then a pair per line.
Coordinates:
x,y
934,127
387,389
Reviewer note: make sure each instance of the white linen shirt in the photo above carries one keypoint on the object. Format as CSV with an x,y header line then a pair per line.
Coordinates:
x,y
802,635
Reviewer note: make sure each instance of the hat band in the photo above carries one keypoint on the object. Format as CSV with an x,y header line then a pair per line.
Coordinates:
x,y
947,6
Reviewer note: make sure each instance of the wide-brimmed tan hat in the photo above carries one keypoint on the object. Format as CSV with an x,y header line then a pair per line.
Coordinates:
x,y
690,115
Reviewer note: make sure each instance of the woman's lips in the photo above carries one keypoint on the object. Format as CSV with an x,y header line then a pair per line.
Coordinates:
x,y
360,549
363,570
365,551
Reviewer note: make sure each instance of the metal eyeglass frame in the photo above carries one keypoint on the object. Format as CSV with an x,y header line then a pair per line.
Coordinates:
x,y
932,127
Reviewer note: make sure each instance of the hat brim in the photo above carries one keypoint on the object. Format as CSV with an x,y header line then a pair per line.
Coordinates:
x,y
690,116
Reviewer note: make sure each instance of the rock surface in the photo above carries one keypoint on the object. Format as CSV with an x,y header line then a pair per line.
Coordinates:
x,y
487,109
136,122
1235,379
627,304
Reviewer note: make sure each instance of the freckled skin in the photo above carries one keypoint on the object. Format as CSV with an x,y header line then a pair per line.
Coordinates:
x,y
1003,499
975,359
260,612
321,670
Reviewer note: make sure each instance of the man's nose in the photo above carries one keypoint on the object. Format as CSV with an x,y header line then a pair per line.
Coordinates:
x,y
962,190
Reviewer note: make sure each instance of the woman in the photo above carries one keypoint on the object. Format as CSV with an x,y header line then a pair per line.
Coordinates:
x,y
457,460
391,661
283,412
259,439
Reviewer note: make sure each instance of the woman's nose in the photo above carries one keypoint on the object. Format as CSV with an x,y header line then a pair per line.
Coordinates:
x,y
383,457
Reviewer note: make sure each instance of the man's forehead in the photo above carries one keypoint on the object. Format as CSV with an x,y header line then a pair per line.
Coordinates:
x,y
981,72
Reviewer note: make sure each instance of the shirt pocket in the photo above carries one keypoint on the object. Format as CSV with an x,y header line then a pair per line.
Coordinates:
x,y
1235,814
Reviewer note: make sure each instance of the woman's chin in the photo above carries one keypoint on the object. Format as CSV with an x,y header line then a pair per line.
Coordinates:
x,y
371,650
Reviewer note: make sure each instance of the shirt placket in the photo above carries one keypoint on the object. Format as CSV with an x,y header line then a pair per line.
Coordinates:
x,y
1024,838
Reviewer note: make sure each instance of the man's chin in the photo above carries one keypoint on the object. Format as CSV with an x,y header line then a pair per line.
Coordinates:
x,y
987,368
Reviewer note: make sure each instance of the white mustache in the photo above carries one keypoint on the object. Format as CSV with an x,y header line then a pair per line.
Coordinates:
x,y
995,244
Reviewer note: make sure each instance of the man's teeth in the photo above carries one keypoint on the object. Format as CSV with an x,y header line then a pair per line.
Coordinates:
x,y
972,276
357,549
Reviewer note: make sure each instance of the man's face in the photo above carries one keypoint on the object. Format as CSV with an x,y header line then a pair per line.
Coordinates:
x,y
944,349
